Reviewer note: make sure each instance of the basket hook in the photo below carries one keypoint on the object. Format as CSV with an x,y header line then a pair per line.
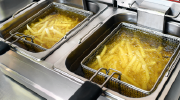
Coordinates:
x,y
107,71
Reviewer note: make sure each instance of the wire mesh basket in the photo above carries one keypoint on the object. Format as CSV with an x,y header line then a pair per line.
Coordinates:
x,y
170,43
51,8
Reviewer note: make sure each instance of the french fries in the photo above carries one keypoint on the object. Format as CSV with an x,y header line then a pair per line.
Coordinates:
x,y
51,29
103,51
99,61
140,64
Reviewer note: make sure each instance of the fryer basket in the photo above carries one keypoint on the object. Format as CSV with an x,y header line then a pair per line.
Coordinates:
x,y
119,86
48,9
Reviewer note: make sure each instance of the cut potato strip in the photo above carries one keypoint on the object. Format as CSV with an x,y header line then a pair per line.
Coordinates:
x,y
51,39
44,26
41,42
114,49
103,51
141,48
130,80
123,57
139,66
48,33
130,65
42,35
135,66
150,50
99,61
30,29
129,50
56,31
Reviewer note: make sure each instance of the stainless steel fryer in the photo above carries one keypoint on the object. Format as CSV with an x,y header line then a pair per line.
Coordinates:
x,y
50,80
170,43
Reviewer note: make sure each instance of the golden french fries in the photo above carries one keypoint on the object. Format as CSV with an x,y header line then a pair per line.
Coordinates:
x,y
51,28
140,63
103,51
99,61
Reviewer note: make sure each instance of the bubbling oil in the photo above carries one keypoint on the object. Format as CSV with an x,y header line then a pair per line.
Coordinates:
x,y
141,59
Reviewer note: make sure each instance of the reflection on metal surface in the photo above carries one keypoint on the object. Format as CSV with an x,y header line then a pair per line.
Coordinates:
x,y
152,15
47,92
23,9
11,90
9,7
174,28
50,94
8,69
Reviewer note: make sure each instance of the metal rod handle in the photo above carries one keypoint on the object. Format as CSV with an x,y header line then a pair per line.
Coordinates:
x,y
118,73
109,78
23,9
11,36
20,38
97,73
30,38
173,16
119,77
131,4
92,30
26,36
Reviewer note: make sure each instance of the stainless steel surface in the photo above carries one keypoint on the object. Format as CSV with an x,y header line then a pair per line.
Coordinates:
x,y
175,9
74,3
49,84
90,32
171,89
152,15
123,3
22,9
174,91
11,90
174,28
9,7
51,77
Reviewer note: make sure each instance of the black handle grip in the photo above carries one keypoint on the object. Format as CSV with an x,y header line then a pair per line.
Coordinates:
x,y
4,47
88,91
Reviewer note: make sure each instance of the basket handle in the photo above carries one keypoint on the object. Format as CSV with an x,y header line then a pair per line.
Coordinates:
x,y
170,16
4,47
92,30
119,77
23,8
89,90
